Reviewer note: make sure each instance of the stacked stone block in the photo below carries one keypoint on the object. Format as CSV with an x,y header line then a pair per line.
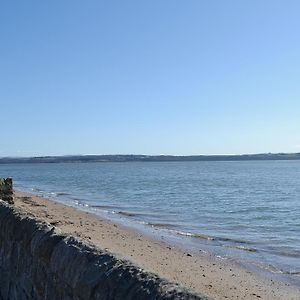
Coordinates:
x,y
6,190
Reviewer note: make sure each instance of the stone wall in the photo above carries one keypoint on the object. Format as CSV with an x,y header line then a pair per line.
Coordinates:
x,y
6,190
39,262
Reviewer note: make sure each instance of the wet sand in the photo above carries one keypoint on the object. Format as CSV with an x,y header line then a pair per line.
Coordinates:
x,y
201,272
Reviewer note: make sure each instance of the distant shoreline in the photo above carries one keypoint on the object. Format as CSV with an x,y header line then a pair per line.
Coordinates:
x,y
148,158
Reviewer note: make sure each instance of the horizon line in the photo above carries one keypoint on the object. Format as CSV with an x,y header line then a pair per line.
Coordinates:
x,y
152,155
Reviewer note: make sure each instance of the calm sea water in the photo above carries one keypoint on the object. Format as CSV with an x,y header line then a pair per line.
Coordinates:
x,y
248,211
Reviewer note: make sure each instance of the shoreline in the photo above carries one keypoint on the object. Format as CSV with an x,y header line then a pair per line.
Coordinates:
x,y
240,252
201,272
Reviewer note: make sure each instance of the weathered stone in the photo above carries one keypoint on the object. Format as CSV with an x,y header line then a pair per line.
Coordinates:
x,y
38,262
6,190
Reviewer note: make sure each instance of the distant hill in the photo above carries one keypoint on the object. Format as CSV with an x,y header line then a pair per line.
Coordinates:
x,y
150,158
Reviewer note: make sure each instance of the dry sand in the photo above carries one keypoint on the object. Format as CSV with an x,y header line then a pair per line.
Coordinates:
x,y
204,273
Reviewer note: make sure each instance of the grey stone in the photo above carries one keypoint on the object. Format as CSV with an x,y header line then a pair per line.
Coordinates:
x,y
6,190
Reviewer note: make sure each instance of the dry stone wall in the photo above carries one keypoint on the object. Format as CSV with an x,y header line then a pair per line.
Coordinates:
x,y
38,262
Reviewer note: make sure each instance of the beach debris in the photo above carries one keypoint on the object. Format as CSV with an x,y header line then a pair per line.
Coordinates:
x,y
6,190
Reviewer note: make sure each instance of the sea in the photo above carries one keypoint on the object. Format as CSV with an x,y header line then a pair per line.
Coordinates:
x,y
247,212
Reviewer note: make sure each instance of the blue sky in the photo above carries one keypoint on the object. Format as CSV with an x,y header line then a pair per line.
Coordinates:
x,y
149,77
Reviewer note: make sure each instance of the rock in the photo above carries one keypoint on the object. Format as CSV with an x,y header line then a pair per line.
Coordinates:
x,y
6,190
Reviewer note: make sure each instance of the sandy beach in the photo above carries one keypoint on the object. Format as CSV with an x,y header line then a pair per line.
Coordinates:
x,y
201,272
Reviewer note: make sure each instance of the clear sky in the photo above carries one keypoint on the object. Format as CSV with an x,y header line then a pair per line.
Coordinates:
x,y
149,77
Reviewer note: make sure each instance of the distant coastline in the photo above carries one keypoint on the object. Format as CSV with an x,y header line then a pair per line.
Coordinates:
x,y
148,158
